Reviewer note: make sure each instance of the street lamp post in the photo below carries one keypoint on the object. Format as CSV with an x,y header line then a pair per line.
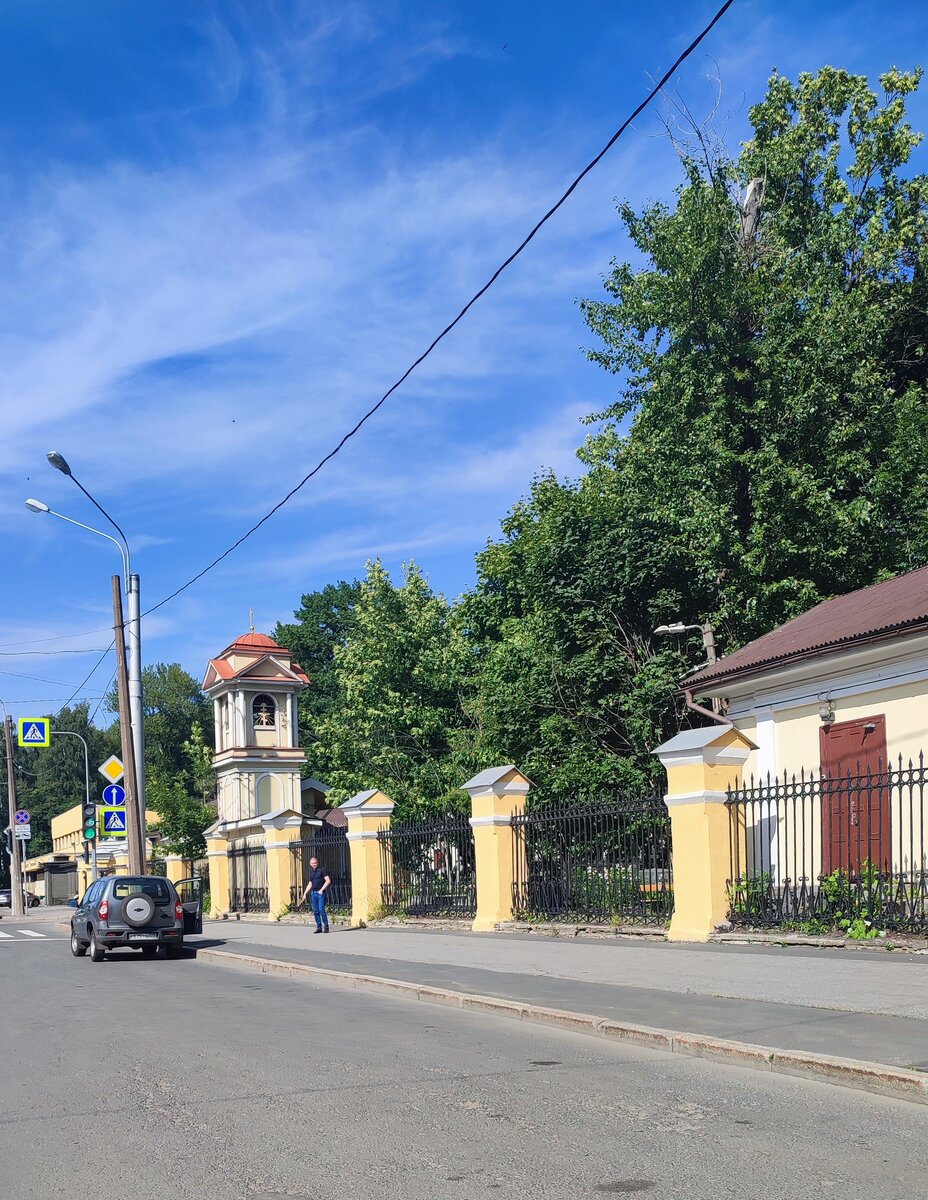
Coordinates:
x,y
17,906
83,742
133,626
708,640
708,636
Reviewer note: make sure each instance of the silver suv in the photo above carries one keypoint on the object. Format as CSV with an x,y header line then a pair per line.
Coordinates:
x,y
141,912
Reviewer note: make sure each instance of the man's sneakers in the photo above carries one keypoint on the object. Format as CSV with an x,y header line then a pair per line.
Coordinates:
x,y
317,930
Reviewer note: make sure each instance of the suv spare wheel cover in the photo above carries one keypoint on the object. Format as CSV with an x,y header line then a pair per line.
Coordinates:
x,y
138,910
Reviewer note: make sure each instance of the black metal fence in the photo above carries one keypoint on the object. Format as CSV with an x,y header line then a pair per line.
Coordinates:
x,y
248,878
429,868
822,852
329,844
608,863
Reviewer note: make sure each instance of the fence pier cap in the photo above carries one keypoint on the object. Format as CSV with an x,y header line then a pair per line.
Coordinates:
x,y
372,803
714,745
498,781
286,818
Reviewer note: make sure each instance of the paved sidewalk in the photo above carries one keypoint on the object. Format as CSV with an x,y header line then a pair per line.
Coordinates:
x,y
872,1007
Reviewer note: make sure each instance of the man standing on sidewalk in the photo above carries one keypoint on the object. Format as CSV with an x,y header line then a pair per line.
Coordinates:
x,y
319,881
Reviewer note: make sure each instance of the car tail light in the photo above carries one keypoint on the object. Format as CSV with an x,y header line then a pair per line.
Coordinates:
x,y
104,909
179,911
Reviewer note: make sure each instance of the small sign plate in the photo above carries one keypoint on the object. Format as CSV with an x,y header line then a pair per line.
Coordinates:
x,y
111,769
34,731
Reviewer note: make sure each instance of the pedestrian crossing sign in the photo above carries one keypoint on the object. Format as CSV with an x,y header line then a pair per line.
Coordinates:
x,y
35,731
114,821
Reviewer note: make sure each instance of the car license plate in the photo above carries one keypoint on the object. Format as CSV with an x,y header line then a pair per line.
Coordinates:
x,y
143,937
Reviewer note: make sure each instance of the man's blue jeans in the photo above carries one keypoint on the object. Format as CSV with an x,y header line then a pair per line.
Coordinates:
x,y
318,902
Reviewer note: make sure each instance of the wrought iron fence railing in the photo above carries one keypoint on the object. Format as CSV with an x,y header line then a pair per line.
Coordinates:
x,y
608,863
429,868
330,845
248,878
821,851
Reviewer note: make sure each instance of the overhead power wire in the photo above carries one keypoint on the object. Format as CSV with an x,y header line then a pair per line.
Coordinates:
x,y
463,312
39,679
46,653
61,637
93,670
106,692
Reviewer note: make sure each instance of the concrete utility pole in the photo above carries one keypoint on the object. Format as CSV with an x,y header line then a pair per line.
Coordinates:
x,y
16,875
136,846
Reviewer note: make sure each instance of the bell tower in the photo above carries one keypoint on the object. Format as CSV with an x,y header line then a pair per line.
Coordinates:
x,y
254,685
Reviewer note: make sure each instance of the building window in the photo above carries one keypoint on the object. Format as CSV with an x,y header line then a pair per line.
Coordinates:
x,y
264,712
266,792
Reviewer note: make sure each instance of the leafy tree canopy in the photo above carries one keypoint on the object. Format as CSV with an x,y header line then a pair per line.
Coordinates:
x,y
401,723
772,353
323,622
184,800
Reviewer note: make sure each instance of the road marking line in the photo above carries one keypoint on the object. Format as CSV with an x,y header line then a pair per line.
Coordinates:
x,y
30,933
6,935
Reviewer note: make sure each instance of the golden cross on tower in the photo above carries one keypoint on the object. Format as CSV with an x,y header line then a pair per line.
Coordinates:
x,y
251,619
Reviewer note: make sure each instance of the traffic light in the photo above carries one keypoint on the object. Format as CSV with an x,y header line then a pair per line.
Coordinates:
x,y
8,839
89,826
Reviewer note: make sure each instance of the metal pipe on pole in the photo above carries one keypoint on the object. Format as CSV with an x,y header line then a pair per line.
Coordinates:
x,y
136,846
16,875
136,706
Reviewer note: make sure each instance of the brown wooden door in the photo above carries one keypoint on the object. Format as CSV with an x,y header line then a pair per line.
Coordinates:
x,y
856,820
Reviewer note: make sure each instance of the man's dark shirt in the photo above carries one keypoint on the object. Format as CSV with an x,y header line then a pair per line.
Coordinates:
x,y
317,878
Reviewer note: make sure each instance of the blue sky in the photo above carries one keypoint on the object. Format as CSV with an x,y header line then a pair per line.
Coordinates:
x,y
225,228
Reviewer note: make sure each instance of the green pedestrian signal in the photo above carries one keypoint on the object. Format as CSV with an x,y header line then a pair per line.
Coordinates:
x,y
90,822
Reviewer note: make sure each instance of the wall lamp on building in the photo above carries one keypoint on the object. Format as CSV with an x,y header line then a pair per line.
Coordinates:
x,y
826,710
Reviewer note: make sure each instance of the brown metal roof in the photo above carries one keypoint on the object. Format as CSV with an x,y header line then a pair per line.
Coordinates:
x,y
871,613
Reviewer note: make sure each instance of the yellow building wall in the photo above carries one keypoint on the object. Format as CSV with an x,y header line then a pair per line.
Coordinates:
x,y
905,708
787,837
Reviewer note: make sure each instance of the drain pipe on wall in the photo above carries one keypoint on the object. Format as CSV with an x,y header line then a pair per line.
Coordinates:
x,y
706,712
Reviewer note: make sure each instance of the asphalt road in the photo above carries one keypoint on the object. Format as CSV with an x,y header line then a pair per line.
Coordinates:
x,y
143,1079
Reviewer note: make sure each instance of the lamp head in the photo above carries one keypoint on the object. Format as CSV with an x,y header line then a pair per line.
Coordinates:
x,y
59,462
676,627
36,506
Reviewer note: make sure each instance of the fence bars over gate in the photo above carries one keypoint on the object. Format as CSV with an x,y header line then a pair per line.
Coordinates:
x,y
248,878
330,845
604,863
429,868
829,852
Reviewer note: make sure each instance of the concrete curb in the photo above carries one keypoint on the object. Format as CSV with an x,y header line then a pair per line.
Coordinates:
x,y
897,1082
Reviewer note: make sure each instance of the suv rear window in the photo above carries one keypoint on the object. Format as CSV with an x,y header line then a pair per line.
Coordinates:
x,y
156,888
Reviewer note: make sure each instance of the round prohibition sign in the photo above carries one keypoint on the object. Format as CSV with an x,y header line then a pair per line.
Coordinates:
x,y
21,817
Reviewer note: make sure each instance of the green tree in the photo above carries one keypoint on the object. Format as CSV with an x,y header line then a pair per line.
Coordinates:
x,y
570,687
51,780
401,723
772,355
769,447
323,621
185,800
174,704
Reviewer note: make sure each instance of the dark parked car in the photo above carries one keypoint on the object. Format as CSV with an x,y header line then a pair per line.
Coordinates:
x,y
139,912
6,899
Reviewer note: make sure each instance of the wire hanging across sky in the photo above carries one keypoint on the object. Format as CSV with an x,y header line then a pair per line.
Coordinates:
x,y
463,312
